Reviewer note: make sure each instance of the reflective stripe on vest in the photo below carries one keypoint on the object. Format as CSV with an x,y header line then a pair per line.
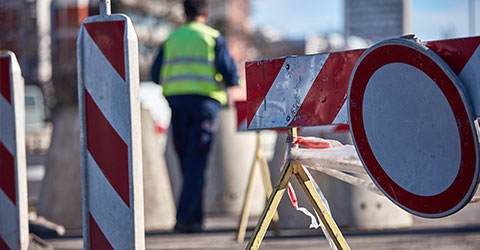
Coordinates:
x,y
189,77
188,60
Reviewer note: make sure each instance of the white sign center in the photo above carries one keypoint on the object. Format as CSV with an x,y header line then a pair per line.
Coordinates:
x,y
411,104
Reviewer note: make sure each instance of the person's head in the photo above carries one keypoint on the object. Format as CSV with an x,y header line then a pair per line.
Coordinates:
x,y
196,10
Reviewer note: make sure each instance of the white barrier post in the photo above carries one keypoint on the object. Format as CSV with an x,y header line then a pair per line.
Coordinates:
x,y
108,86
13,173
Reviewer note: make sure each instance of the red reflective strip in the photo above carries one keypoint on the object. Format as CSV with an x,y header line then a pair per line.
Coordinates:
x,y
97,238
260,77
241,107
7,173
109,38
453,195
5,78
342,128
455,52
108,149
329,90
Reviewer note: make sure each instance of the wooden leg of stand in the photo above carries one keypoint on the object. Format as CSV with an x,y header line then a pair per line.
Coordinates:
x,y
320,207
267,183
270,208
242,228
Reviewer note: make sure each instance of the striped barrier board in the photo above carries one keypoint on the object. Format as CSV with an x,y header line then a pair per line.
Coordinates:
x,y
462,55
299,91
108,87
410,106
241,110
303,91
14,232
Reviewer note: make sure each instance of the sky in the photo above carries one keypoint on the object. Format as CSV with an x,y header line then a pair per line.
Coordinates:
x,y
430,19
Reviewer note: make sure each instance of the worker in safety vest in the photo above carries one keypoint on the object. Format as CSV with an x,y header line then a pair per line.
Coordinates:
x,y
191,65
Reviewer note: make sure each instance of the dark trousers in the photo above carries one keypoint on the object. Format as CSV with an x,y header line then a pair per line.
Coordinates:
x,y
193,124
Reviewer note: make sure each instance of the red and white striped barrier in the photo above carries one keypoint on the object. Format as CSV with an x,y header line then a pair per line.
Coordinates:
x,y
13,174
299,91
108,90
241,109
463,56
411,108
302,91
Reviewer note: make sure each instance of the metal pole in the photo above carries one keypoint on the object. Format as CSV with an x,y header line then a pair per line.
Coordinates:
x,y
471,17
105,8
346,24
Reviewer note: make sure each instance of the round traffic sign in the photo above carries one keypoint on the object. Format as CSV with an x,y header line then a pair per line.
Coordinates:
x,y
413,128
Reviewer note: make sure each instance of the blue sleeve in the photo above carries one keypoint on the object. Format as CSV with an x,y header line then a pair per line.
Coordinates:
x,y
157,65
224,62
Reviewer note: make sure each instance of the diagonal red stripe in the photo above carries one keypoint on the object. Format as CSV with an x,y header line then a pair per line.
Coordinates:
x,y
109,38
107,148
7,173
3,245
241,107
5,78
329,90
260,77
455,52
97,238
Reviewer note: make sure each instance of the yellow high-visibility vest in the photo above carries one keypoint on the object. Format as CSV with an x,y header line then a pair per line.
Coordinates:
x,y
188,63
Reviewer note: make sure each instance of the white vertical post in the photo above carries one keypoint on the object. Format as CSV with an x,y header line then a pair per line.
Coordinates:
x,y
13,177
105,8
108,86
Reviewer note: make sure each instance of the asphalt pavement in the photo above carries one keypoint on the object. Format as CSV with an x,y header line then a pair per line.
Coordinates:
x,y
460,231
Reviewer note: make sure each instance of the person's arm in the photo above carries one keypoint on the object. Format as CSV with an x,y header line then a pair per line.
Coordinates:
x,y
157,66
224,62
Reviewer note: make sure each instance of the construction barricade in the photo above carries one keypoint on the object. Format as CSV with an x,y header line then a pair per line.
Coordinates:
x,y
410,106
108,89
14,232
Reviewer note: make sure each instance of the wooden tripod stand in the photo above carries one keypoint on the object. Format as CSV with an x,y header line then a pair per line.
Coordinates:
x,y
259,159
294,168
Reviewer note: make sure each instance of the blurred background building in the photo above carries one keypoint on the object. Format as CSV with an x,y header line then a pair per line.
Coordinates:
x,y
377,20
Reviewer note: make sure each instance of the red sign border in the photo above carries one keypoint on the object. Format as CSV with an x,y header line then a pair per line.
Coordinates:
x,y
457,194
